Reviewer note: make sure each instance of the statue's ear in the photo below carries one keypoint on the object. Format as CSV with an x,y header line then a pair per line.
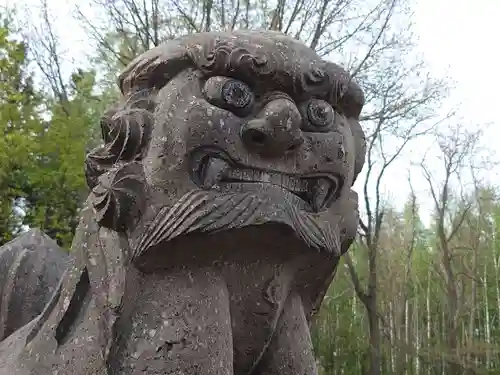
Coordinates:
x,y
154,68
350,99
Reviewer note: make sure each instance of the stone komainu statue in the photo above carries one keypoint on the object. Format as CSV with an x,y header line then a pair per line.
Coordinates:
x,y
221,203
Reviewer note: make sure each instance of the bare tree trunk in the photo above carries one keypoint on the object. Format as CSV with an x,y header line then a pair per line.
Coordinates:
x,y
496,264
456,149
393,334
475,232
428,312
487,323
472,316
418,338
374,350
452,305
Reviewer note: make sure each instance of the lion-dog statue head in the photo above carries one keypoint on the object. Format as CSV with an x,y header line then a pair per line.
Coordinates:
x,y
221,201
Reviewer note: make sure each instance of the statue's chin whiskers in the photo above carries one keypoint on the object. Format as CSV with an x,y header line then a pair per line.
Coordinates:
x,y
202,211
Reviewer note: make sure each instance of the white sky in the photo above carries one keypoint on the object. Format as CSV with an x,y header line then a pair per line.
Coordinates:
x,y
460,36
457,37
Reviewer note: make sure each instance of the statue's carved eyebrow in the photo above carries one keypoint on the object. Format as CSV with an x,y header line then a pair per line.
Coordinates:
x,y
332,85
299,84
315,78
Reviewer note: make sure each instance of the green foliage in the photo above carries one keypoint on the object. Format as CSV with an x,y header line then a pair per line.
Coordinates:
x,y
416,343
340,332
43,147
57,175
18,117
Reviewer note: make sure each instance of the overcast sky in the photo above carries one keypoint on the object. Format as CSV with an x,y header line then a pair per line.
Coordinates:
x,y
460,34
456,37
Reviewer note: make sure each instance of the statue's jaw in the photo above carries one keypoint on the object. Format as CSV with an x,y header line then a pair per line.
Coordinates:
x,y
212,168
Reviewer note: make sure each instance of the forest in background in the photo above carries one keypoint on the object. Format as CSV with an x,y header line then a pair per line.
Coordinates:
x,y
414,295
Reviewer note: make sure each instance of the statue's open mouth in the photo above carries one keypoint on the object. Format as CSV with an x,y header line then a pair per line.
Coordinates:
x,y
212,168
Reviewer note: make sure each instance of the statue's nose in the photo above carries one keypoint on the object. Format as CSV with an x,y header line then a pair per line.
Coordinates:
x,y
276,130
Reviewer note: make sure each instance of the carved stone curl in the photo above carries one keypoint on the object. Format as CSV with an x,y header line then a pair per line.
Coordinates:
x,y
119,196
221,203
125,132
113,173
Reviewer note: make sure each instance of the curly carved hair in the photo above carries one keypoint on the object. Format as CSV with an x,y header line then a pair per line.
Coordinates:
x,y
125,130
113,171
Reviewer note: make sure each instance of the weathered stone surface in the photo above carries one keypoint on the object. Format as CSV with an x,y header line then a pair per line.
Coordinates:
x,y
221,203
30,268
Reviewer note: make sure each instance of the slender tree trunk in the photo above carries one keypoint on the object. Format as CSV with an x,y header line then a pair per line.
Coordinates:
x,y
429,316
375,363
443,331
337,367
486,307
497,289
452,330
394,337
408,330
418,339
473,306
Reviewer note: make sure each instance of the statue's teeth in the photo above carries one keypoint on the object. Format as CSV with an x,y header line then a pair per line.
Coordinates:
x,y
298,185
290,183
276,179
214,171
252,175
265,177
236,173
303,185
319,193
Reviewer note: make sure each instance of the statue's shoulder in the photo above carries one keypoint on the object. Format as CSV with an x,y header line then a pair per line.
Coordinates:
x,y
31,265
11,350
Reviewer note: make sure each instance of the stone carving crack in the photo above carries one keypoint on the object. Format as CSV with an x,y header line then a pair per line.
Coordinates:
x,y
75,310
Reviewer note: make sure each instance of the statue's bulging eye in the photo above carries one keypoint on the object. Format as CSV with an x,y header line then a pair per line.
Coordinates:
x,y
319,116
230,94
237,94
